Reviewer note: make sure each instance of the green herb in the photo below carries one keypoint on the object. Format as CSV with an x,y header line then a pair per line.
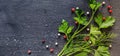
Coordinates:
x,y
104,24
96,42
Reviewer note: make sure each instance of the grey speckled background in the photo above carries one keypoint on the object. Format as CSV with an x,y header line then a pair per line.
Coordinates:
x,y
24,23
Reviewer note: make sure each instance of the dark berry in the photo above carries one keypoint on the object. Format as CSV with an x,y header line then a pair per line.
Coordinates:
x,y
51,50
86,38
103,18
43,41
110,11
65,37
73,10
29,52
76,23
109,7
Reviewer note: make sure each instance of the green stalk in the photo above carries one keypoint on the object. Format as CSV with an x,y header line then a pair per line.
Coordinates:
x,y
75,33
81,48
87,23
64,47
68,42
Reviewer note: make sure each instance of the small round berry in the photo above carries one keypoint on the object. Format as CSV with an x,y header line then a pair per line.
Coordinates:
x,y
43,41
87,12
109,7
56,43
103,3
47,46
51,50
76,23
73,10
77,8
104,18
110,46
88,29
58,34
29,52
90,42
86,38
110,11
65,37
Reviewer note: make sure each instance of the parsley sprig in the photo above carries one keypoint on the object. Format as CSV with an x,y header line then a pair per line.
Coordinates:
x,y
96,42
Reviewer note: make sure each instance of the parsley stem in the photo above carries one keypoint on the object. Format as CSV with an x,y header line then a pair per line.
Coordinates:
x,y
75,33
60,54
87,23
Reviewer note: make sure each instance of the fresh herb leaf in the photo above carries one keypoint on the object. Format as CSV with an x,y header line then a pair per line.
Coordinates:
x,y
92,1
82,54
104,24
97,53
92,6
81,20
98,19
93,40
98,4
94,30
101,51
109,22
63,27
69,30
79,13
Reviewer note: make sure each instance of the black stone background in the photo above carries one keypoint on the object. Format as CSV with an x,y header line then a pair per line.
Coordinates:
x,y
24,23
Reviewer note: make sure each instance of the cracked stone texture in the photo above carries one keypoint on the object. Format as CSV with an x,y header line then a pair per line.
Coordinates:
x,y
24,23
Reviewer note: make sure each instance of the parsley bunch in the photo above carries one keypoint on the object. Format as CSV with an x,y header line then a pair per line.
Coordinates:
x,y
96,42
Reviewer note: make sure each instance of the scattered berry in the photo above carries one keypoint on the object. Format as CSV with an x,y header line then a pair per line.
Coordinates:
x,y
88,29
86,38
110,46
109,7
76,23
87,12
103,18
51,50
29,52
110,11
47,46
73,10
59,34
56,43
43,41
65,37
90,42
103,3
77,8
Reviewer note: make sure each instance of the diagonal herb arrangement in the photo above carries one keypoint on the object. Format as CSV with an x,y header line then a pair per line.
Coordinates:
x,y
94,43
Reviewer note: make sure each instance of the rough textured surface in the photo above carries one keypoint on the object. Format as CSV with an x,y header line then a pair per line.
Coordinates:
x,y
24,23
115,51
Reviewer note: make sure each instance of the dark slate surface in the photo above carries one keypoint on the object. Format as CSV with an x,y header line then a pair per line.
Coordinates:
x,y
24,23
115,51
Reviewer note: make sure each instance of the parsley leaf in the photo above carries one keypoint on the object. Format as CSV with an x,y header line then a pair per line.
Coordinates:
x,y
70,29
109,22
104,24
94,5
102,51
81,20
63,27
94,30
